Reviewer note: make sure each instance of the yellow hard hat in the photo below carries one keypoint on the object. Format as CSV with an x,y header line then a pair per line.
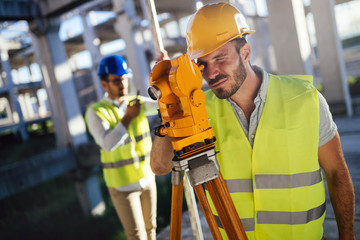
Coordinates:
x,y
212,26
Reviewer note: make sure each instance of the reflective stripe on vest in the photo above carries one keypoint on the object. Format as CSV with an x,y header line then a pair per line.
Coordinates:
x,y
288,181
277,183
248,223
274,181
268,217
239,185
137,138
129,161
125,162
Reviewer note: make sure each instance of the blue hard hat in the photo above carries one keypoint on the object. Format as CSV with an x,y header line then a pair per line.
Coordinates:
x,y
115,65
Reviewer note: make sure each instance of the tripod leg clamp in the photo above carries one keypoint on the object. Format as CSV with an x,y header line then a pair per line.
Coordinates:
x,y
202,169
176,177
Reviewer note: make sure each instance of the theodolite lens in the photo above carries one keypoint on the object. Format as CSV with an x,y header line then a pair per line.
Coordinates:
x,y
154,92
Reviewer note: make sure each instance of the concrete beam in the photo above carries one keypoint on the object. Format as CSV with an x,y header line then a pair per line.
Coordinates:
x,y
56,8
16,10
90,37
5,63
29,10
127,26
9,44
342,1
58,81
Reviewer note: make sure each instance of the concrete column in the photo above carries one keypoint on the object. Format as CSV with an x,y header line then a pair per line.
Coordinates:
x,y
68,120
13,97
66,114
126,26
90,196
28,105
262,50
147,15
9,117
331,61
23,106
28,63
42,56
32,91
90,38
289,35
37,110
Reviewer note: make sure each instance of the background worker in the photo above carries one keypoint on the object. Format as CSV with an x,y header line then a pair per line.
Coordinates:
x,y
273,134
119,126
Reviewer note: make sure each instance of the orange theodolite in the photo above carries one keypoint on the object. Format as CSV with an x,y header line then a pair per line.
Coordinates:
x,y
176,85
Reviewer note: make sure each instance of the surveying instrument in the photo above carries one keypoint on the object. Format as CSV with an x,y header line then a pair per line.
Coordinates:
x,y
176,85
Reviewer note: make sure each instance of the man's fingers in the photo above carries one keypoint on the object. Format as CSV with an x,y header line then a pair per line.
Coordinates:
x,y
134,102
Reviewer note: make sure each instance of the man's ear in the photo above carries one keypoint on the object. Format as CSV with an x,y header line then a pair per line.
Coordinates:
x,y
103,84
245,52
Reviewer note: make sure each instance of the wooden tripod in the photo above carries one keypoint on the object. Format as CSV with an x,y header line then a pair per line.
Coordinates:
x,y
202,168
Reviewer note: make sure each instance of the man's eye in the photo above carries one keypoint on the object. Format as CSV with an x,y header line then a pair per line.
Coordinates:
x,y
202,66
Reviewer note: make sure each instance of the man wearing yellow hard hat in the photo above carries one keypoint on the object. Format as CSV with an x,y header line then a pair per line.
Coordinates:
x,y
274,135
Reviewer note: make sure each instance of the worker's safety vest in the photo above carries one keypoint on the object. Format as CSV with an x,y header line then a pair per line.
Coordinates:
x,y
129,162
276,185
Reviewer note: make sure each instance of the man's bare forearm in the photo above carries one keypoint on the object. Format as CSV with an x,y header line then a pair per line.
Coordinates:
x,y
342,197
161,155
341,190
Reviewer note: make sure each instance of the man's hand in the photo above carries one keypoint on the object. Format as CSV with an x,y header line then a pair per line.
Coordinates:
x,y
132,111
163,56
161,155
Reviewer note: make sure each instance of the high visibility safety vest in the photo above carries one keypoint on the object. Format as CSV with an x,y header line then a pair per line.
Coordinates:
x,y
129,162
276,185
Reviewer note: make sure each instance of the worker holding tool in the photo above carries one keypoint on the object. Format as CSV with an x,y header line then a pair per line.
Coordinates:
x,y
274,135
120,127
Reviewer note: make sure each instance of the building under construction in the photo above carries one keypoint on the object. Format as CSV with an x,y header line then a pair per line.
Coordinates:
x,y
50,51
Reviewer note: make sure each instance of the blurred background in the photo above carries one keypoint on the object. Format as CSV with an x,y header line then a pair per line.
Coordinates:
x,y
50,178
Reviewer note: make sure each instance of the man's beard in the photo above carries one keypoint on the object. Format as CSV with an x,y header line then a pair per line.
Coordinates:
x,y
239,76
118,94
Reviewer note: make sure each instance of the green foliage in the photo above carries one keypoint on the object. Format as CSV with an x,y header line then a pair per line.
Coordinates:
x,y
319,87
354,85
351,80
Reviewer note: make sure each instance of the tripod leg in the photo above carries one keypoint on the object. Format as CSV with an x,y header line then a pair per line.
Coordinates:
x,y
235,217
176,210
193,210
225,208
220,210
207,212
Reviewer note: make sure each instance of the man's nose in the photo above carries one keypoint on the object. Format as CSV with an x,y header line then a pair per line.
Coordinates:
x,y
119,82
212,71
